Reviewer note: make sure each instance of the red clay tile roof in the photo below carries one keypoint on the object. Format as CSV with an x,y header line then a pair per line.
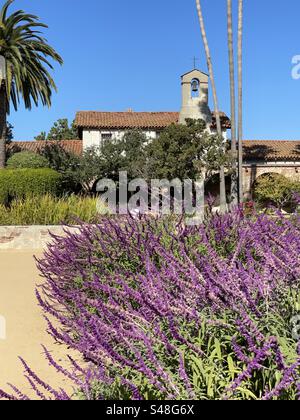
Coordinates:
x,y
271,150
72,146
125,120
128,120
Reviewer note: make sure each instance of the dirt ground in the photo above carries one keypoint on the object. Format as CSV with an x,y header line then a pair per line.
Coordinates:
x,y
25,326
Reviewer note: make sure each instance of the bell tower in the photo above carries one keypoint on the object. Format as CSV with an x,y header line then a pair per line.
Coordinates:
x,y
195,97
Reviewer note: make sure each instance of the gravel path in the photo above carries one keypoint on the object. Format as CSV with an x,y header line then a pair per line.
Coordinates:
x,y
25,326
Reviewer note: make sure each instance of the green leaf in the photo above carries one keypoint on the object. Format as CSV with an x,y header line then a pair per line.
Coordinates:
x,y
247,393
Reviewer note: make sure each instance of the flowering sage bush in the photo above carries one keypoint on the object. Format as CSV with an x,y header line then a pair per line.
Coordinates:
x,y
160,310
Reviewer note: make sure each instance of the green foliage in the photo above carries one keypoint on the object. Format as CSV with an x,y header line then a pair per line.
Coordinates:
x,y
180,152
218,365
59,159
60,131
27,160
27,56
20,183
127,154
89,168
9,133
49,210
275,189
67,164
41,137
184,151
78,170
134,152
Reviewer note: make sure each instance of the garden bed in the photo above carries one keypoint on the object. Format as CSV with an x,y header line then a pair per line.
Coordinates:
x,y
167,312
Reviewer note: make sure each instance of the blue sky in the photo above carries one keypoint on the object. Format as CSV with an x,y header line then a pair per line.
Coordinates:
x,y
130,54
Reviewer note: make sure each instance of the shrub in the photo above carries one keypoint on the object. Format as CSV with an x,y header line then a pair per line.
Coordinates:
x,y
27,160
48,210
65,163
276,190
183,151
163,311
78,170
20,183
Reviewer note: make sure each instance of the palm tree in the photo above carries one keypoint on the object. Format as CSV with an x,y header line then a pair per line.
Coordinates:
x,y
223,205
25,54
240,99
234,178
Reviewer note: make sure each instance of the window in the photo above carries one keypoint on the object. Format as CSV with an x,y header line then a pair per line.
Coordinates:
x,y
106,136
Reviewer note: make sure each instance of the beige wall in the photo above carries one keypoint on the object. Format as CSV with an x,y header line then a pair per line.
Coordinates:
x,y
29,237
195,107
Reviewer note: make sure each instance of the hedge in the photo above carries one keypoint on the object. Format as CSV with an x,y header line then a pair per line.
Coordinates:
x,y
27,160
22,183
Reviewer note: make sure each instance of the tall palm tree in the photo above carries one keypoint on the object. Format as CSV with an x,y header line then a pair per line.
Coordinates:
x,y
26,56
240,99
234,178
223,205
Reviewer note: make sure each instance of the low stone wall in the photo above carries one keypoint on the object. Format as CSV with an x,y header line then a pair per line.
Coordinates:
x,y
28,237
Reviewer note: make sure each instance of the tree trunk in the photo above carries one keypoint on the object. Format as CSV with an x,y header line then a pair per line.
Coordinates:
x,y
234,177
240,100
3,125
223,205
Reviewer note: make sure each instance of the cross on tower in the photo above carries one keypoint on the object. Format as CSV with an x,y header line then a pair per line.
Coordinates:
x,y
195,59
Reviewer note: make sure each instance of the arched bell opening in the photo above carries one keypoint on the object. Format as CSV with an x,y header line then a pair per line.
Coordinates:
x,y
195,88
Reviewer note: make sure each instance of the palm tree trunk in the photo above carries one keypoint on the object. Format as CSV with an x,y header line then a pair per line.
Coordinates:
x,y
240,99
3,125
223,204
234,177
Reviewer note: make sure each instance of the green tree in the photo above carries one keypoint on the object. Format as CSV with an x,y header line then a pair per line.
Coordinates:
x,y
67,164
134,153
60,131
186,152
84,170
81,172
111,159
126,154
9,132
90,168
25,58
41,137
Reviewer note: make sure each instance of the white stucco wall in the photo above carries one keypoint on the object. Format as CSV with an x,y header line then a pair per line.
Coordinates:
x,y
94,137
91,138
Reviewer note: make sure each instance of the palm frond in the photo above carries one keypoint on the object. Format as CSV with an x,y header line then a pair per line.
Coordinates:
x,y
28,57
